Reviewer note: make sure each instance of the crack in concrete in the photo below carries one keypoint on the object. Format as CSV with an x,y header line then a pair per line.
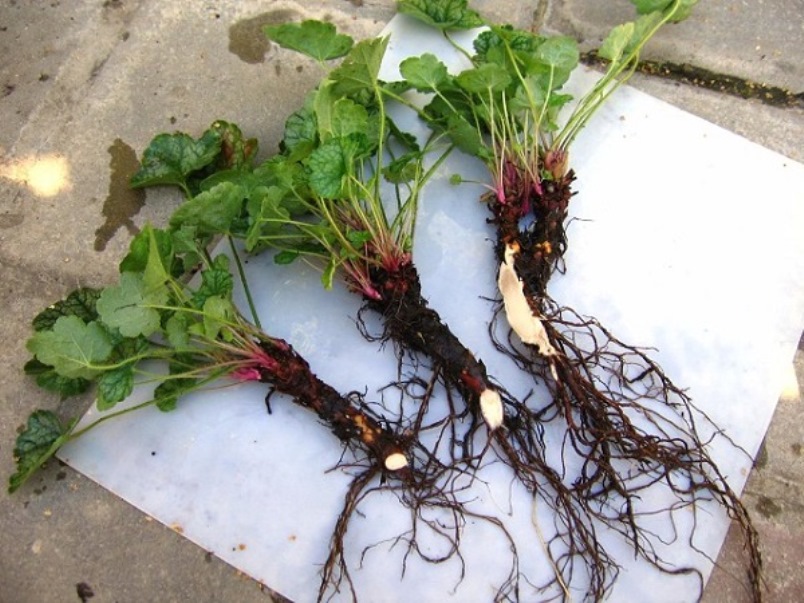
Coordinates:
x,y
701,77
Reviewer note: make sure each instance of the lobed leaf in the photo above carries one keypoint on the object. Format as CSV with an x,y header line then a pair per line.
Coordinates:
x,y
442,14
505,36
47,378
126,306
139,250
172,158
215,281
359,71
616,42
80,303
315,39
43,435
301,132
168,392
649,6
559,52
217,312
425,73
328,166
211,212
115,386
269,216
72,347
484,78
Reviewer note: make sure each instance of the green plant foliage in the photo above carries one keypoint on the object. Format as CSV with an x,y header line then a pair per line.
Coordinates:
x,y
80,303
315,39
443,14
72,347
171,159
43,435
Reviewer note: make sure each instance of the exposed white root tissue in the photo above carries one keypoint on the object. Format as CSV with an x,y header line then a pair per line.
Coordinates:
x,y
526,325
396,461
491,408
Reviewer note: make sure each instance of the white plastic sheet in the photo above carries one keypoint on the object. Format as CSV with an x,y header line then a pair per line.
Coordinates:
x,y
688,239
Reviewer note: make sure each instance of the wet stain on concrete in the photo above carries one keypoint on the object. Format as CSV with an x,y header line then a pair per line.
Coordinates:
x,y
10,220
247,40
768,508
123,202
796,449
762,457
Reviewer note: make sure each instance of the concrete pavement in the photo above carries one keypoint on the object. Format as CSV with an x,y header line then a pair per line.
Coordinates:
x,y
85,84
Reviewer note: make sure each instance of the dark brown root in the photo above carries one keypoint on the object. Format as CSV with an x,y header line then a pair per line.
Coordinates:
x,y
290,374
573,547
630,430
431,492
409,321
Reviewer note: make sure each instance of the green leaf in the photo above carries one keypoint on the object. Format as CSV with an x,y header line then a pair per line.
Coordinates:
x,y
616,42
328,275
684,10
402,169
168,392
530,97
358,238
359,71
115,386
139,250
172,158
505,36
47,378
349,118
213,211
287,256
80,303
72,347
236,152
442,14
315,39
155,277
425,73
43,435
559,52
215,281
483,78
177,330
649,6
301,132
218,312
338,117
328,166
269,216
126,306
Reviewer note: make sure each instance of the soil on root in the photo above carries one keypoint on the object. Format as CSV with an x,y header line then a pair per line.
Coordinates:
x,y
409,322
